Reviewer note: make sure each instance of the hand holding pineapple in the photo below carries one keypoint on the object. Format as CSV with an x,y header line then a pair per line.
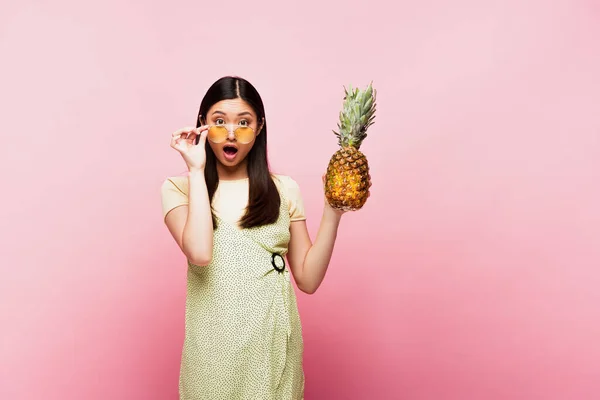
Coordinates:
x,y
335,211
347,181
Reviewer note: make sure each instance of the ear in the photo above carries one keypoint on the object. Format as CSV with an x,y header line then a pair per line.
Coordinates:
x,y
262,123
200,119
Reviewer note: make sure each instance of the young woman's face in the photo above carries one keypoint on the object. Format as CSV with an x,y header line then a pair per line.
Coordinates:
x,y
232,142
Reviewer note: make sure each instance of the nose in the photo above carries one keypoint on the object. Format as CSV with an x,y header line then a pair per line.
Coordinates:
x,y
230,132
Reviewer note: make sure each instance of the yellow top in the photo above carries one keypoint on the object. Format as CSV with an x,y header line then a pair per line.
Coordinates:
x,y
231,197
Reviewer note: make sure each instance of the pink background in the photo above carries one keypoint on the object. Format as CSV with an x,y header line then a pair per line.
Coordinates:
x,y
472,272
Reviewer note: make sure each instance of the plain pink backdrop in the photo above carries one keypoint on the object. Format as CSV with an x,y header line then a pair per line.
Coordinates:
x,y
471,273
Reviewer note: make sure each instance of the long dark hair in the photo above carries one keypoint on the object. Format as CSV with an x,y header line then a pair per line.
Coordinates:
x,y
263,197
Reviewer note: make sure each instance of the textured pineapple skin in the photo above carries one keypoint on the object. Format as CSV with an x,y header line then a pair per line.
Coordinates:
x,y
347,181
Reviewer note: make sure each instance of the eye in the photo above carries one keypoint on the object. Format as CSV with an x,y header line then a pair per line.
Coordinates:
x,y
219,121
244,122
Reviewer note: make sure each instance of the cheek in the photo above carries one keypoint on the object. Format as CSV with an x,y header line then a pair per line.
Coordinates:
x,y
214,147
246,148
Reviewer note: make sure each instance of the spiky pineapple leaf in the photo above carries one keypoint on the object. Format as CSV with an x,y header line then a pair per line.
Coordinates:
x,y
356,116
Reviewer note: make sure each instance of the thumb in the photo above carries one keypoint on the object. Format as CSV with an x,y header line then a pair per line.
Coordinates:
x,y
203,135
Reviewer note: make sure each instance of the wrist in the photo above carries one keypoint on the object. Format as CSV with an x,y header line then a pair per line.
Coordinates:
x,y
195,171
195,175
331,215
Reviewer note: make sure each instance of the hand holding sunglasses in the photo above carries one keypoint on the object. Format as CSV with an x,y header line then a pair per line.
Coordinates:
x,y
182,140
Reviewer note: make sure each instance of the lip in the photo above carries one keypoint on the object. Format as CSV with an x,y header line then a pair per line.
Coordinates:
x,y
229,157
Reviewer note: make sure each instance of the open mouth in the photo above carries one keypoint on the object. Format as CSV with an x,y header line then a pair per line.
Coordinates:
x,y
230,151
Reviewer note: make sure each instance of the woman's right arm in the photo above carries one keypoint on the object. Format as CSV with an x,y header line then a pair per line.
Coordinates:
x,y
191,225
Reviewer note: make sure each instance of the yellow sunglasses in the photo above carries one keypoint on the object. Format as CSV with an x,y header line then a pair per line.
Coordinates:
x,y
219,133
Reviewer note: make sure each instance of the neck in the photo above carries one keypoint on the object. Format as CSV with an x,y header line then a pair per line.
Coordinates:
x,y
230,173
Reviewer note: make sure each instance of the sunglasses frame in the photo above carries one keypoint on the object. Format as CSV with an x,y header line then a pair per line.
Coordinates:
x,y
254,131
237,126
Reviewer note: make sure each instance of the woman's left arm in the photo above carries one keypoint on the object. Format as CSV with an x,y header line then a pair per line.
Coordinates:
x,y
308,261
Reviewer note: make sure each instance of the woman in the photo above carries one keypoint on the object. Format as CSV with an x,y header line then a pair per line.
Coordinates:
x,y
235,222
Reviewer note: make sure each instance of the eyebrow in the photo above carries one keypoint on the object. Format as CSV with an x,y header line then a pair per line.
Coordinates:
x,y
239,115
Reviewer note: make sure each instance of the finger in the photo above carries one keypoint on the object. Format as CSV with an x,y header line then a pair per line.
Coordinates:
x,y
194,135
181,131
190,136
203,135
182,134
199,130
177,147
176,140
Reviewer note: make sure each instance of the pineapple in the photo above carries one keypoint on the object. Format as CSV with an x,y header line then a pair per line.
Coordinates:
x,y
347,181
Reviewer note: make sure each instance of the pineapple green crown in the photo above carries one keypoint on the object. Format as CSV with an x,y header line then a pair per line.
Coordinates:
x,y
357,115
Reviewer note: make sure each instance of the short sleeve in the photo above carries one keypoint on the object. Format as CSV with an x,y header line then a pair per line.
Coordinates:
x,y
294,196
174,193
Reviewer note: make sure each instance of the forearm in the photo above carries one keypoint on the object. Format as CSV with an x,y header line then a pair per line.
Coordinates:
x,y
319,255
198,231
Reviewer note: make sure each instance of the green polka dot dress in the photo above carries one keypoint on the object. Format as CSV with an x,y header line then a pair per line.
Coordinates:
x,y
243,336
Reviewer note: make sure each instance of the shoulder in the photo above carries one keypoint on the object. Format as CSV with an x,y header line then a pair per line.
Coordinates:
x,y
285,180
177,183
286,183
174,193
291,191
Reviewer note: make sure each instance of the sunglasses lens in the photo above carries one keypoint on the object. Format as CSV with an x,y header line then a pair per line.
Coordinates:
x,y
244,134
217,134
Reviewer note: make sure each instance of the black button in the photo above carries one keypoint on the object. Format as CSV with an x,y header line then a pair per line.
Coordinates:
x,y
277,268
